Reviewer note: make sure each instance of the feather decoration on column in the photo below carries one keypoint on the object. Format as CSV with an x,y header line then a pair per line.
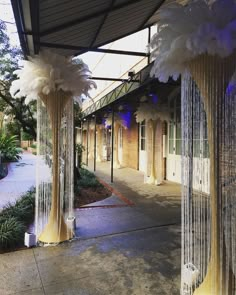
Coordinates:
x,y
151,113
198,41
53,80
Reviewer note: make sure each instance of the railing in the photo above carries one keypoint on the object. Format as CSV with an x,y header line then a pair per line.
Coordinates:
x,y
137,80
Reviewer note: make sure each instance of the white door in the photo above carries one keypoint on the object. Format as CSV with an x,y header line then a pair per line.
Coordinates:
x,y
174,159
120,145
174,141
142,147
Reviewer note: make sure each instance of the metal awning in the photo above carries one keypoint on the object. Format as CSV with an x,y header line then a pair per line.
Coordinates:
x,y
73,27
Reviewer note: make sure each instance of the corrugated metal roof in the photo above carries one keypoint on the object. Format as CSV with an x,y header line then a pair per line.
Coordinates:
x,y
83,32
80,23
57,15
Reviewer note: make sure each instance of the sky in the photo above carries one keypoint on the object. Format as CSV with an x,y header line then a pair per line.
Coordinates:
x,y
100,64
6,14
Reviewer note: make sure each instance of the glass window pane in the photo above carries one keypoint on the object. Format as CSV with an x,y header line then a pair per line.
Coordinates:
x,y
205,131
178,115
171,146
196,130
178,147
142,131
142,144
206,153
171,131
178,131
196,148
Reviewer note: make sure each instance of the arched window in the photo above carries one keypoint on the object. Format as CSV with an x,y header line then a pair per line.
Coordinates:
x,y
143,135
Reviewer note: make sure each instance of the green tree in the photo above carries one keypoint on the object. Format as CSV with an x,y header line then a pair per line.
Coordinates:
x,y
22,114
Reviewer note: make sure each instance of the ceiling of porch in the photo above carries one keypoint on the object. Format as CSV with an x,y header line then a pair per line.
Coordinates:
x,y
77,26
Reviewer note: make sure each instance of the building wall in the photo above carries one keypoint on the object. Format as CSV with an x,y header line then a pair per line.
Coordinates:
x,y
130,145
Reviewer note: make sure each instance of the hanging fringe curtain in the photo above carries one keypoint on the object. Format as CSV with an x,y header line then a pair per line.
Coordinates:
x,y
60,140
208,177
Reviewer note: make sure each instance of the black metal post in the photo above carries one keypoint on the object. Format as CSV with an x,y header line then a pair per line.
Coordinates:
x,y
81,142
95,143
112,144
87,151
149,40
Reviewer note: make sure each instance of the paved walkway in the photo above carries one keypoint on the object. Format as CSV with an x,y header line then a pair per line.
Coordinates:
x,y
20,178
121,250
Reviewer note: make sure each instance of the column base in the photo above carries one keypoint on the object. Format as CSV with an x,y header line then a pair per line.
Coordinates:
x,y
56,231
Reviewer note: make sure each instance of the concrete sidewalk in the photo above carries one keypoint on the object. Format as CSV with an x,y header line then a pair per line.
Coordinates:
x,y
128,250
21,177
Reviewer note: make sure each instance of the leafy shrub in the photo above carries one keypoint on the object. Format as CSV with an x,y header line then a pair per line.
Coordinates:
x,y
11,233
20,214
3,170
87,179
9,151
26,136
79,149
22,210
19,150
28,199
33,146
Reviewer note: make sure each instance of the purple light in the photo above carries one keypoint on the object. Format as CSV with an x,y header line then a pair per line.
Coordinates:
x,y
126,117
103,121
154,97
231,88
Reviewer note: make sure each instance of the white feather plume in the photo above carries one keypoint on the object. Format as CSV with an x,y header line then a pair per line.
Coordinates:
x,y
185,32
151,111
49,72
117,120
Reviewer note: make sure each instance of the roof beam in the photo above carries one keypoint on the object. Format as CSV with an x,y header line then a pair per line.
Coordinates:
x,y
87,17
18,14
81,48
34,14
114,39
151,14
114,79
102,23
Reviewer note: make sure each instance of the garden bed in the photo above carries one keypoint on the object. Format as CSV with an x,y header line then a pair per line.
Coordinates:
x,y
89,190
14,220
90,195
